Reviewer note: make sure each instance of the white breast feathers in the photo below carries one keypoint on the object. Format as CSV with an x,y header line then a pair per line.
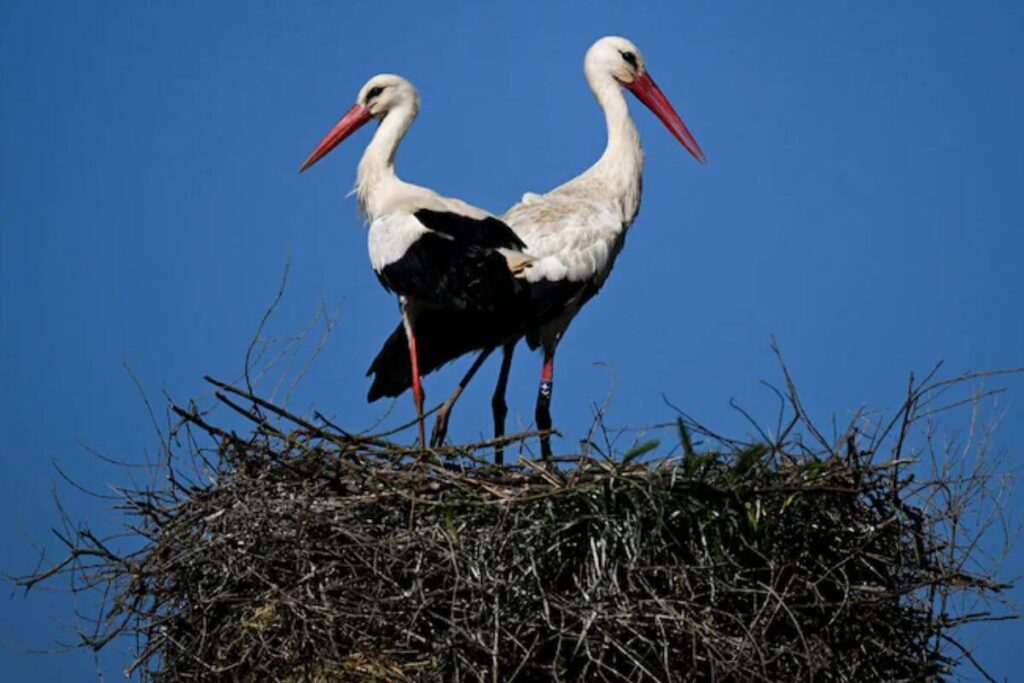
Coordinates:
x,y
391,236
571,239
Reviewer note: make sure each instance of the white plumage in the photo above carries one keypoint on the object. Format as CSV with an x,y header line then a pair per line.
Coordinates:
x,y
390,237
434,252
575,231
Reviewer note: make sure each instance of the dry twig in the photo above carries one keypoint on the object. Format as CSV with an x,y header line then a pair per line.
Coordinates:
x,y
303,552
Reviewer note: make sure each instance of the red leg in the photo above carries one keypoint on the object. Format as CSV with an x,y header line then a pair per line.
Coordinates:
x,y
417,385
543,412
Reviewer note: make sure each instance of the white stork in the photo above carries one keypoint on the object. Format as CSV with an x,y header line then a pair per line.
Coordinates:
x,y
575,231
436,253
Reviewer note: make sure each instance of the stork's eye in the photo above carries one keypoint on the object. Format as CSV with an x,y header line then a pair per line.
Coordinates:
x,y
373,93
630,58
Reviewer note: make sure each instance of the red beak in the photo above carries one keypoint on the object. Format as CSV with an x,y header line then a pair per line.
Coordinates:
x,y
349,123
648,92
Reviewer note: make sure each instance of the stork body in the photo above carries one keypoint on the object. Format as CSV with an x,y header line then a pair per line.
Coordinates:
x,y
575,231
436,253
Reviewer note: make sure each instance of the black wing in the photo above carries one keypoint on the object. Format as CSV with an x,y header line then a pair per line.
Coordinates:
x,y
457,265
480,232
442,335
550,298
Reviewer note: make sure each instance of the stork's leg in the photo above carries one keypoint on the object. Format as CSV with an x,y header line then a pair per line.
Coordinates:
x,y
441,423
498,405
414,363
543,412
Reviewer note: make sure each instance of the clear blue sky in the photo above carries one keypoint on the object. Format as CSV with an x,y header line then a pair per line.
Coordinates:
x,y
862,202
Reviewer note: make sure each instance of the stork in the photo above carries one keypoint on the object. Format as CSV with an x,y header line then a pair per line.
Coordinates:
x,y
436,253
575,231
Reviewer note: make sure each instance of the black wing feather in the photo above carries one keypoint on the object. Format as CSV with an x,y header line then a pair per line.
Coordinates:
x,y
442,335
457,264
480,232
549,299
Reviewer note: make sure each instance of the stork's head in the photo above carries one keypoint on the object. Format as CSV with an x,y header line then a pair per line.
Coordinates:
x,y
617,57
386,92
381,95
620,59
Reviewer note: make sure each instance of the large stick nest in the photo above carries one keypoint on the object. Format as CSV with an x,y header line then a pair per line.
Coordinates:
x,y
301,552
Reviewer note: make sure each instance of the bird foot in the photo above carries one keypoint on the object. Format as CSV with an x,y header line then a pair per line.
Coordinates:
x,y
440,431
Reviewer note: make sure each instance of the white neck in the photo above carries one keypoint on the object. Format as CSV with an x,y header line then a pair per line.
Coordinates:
x,y
377,167
623,147
622,163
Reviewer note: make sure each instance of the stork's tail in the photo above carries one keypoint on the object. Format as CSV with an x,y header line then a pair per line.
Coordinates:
x,y
442,335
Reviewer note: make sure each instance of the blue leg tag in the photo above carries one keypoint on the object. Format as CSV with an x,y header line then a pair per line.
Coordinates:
x,y
545,390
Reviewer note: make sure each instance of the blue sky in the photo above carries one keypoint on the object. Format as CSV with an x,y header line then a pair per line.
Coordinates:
x,y
862,203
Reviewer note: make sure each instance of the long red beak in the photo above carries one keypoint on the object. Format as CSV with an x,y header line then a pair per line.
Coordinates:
x,y
648,92
349,123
